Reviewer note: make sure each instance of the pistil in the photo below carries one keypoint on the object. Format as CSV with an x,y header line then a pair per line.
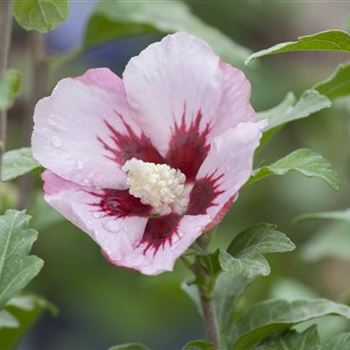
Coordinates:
x,y
157,185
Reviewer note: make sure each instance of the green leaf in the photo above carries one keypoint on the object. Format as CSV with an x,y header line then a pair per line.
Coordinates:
x,y
272,316
228,290
7,320
337,85
337,342
332,241
329,40
327,215
17,267
113,20
17,162
311,101
245,255
129,346
290,109
191,289
282,109
40,15
10,84
243,261
290,289
292,340
26,309
304,161
199,345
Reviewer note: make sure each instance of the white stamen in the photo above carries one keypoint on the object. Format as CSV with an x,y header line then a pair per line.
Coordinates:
x,y
157,185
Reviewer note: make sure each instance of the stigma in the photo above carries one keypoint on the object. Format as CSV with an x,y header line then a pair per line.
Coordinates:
x,y
157,185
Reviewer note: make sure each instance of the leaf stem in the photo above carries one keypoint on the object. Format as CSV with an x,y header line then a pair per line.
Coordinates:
x,y
206,299
5,39
39,85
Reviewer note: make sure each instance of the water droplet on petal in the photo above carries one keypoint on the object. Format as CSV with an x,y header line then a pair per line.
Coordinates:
x,y
97,215
111,226
80,164
85,182
51,120
56,141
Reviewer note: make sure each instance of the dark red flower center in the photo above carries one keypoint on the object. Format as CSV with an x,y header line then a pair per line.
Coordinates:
x,y
188,147
160,231
119,203
129,145
203,195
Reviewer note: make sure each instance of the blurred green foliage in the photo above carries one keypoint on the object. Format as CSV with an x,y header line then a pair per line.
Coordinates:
x,y
116,19
40,15
9,88
25,310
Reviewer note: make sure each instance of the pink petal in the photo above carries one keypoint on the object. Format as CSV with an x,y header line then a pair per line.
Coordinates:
x,y
83,132
149,247
225,170
171,82
235,104
115,235
103,78
125,241
188,147
129,240
151,261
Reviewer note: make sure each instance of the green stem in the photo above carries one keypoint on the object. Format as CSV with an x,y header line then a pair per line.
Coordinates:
x,y
5,39
209,317
206,299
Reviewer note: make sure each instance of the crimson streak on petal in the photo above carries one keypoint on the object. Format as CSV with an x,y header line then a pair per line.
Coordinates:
x,y
129,145
119,203
203,194
160,231
188,146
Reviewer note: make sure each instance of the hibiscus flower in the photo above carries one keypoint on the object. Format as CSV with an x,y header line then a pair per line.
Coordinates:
x,y
147,163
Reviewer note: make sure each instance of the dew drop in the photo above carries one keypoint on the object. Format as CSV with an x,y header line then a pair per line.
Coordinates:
x,y
51,120
80,164
111,226
56,141
97,215
85,182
